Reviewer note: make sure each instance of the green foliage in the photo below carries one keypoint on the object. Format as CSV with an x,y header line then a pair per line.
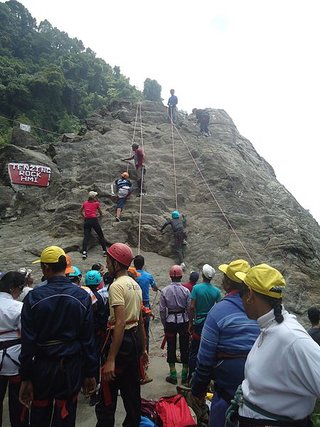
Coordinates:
x,y
49,77
152,90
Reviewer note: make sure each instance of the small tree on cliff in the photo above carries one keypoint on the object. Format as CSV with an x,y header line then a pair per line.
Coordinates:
x,y
152,90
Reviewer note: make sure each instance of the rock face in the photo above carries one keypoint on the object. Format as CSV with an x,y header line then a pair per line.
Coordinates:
x,y
235,206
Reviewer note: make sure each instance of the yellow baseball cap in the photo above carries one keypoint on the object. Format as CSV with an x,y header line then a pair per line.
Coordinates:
x,y
50,255
264,279
230,270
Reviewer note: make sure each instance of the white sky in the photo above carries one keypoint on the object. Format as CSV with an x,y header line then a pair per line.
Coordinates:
x,y
256,59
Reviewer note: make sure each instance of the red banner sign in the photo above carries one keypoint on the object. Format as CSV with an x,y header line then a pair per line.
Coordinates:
x,y
27,174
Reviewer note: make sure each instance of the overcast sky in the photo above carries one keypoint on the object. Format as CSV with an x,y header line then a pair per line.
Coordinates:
x,y
256,59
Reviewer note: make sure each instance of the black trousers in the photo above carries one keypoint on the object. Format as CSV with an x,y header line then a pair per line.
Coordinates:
x,y
179,237
56,384
171,331
194,347
15,407
90,223
127,380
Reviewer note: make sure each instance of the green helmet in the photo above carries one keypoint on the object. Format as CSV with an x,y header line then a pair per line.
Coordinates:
x,y
76,272
175,214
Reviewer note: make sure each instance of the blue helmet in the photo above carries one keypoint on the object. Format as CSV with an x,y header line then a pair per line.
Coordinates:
x,y
92,278
76,272
175,214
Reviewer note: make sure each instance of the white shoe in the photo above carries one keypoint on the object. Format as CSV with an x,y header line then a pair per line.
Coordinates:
x,y
84,255
183,266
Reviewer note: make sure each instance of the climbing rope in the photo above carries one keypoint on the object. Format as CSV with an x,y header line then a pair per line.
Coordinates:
x,y
214,197
142,180
174,164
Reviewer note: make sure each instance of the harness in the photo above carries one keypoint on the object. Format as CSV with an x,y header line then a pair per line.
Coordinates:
x,y
4,345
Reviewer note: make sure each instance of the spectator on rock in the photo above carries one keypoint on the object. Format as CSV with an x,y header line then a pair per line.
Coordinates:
x,y
89,211
139,159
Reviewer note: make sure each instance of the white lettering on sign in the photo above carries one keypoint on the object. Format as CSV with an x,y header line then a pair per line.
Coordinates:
x,y
28,174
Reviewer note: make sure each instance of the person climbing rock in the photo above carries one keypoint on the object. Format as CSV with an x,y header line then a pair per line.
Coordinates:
x,y
11,286
139,159
124,345
203,119
172,107
314,318
226,339
58,355
123,188
89,211
203,296
177,223
174,307
282,377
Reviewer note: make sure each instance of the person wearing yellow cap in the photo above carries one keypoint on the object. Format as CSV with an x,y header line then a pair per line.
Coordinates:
x,y
282,377
58,355
227,338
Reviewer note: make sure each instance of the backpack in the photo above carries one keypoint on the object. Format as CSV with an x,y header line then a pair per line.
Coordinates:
x,y
174,411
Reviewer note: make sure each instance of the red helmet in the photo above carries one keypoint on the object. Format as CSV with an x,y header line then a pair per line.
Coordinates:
x,y
121,253
176,271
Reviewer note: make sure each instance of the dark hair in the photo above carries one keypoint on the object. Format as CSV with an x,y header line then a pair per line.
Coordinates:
x,y
232,284
194,276
276,304
58,267
138,262
314,315
11,280
97,266
75,279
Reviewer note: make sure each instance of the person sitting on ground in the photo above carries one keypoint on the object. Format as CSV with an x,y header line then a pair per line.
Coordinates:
x,y
282,377
314,317
174,307
204,295
193,278
203,119
139,159
123,188
27,284
172,107
11,286
89,211
177,223
226,339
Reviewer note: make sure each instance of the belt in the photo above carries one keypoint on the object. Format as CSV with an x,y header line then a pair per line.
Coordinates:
x,y
250,422
178,311
9,343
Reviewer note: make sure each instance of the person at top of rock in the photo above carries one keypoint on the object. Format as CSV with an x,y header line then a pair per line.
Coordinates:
x,y
177,223
123,188
314,318
89,211
226,339
193,278
58,356
203,119
281,376
204,295
174,307
172,107
139,159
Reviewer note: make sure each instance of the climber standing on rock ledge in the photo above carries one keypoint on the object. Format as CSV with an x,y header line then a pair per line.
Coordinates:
x,y
139,158
89,212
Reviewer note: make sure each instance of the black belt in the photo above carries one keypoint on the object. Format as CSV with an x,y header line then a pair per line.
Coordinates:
x,y
250,422
177,311
9,343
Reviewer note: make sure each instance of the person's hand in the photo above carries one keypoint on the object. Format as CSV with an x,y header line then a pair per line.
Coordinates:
x,y
145,358
190,329
89,386
26,393
108,371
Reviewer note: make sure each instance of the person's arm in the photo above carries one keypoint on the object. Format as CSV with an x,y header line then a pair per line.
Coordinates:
x,y
112,190
108,369
99,210
153,284
165,225
129,158
162,309
82,211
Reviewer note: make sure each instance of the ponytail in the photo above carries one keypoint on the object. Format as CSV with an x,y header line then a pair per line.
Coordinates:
x,y
277,309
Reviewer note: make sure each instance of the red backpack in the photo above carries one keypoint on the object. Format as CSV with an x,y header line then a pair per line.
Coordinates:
x,y
174,411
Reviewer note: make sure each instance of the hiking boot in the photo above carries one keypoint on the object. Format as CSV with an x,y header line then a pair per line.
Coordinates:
x,y
104,253
171,380
84,255
118,219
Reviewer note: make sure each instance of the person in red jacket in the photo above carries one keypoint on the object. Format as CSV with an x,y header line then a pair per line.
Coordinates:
x,y
139,159
89,211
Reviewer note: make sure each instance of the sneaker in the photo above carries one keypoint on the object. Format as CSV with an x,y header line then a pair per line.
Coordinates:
x,y
118,219
183,266
146,380
171,380
84,255
185,243
104,253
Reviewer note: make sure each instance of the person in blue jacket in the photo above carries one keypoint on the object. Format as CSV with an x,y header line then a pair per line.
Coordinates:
x,y
226,339
58,354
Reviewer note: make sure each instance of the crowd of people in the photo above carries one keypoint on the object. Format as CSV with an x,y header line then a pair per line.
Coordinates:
x,y
62,336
